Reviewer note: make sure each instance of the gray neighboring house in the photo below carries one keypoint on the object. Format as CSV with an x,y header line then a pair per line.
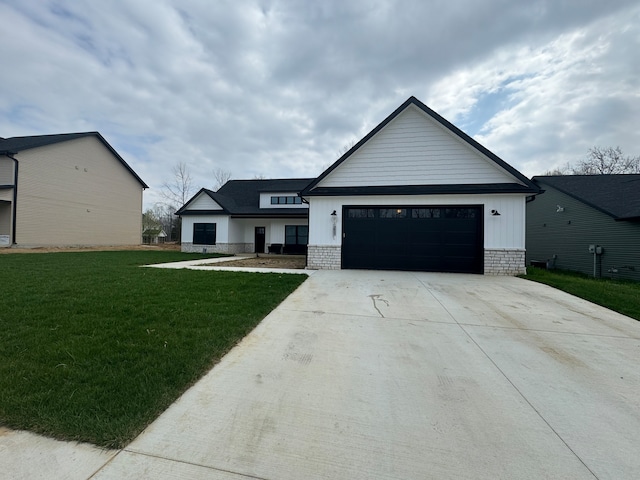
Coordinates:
x,y
578,211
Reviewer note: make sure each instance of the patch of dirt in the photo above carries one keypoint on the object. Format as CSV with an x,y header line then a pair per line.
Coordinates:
x,y
100,248
279,261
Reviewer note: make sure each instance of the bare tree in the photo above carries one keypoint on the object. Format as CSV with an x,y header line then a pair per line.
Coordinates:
x,y
259,176
221,176
176,192
565,169
607,160
165,215
600,161
150,219
179,189
346,147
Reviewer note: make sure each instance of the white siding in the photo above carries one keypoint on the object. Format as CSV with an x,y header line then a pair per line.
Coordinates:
x,y
504,231
244,229
414,149
221,221
77,193
204,202
239,231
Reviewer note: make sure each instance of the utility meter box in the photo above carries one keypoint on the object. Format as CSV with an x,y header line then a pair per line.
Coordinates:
x,y
599,250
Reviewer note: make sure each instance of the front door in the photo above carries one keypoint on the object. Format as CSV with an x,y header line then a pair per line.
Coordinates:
x,y
259,239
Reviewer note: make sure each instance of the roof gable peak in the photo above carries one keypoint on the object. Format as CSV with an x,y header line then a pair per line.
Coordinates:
x,y
413,151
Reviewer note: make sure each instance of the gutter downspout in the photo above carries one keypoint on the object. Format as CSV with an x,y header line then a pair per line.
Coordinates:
x,y
15,196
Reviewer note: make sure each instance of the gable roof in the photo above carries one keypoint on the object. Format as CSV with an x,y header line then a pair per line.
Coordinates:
x,y
242,198
525,185
616,195
14,145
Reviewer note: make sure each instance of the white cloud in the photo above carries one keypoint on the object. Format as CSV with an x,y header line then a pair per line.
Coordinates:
x,y
277,88
557,99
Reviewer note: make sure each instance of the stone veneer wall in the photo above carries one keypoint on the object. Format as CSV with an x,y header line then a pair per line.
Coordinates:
x,y
218,248
504,261
323,257
497,261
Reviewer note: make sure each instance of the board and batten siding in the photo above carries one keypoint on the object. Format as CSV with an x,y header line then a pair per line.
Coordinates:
x,y
415,149
77,193
504,231
563,238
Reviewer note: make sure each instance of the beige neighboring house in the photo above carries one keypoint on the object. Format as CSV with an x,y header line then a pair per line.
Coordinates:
x,y
67,190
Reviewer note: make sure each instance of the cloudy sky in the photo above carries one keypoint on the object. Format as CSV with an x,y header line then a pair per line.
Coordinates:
x,y
278,88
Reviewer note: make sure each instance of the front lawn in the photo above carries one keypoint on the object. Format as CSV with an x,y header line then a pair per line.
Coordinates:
x,y
94,347
618,295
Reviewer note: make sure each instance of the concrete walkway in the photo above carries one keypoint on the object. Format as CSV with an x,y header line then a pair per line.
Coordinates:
x,y
390,375
219,264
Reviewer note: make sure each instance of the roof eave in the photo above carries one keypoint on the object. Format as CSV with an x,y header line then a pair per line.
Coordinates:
x,y
458,189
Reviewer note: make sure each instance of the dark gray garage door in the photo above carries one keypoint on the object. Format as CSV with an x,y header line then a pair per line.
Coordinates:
x,y
420,238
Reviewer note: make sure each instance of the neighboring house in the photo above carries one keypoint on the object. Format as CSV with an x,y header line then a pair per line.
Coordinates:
x,y
67,190
580,211
247,216
153,235
416,193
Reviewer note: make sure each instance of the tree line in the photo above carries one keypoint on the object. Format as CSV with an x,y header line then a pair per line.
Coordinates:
x,y
600,161
175,193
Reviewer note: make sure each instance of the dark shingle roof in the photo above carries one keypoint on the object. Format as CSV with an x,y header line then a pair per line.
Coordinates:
x,y
242,197
15,145
615,195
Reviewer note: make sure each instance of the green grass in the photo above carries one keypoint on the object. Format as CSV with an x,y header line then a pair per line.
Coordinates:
x,y
618,295
94,347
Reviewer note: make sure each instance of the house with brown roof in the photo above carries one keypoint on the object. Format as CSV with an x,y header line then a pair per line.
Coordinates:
x,y
67,190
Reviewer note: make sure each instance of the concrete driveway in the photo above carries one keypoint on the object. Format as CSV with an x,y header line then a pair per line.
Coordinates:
x,y
389,375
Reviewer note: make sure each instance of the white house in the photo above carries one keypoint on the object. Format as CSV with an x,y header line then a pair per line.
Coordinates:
x,y
247,216
416,193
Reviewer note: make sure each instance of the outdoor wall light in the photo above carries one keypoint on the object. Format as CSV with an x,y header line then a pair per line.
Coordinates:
x,y
334,222
495,213
560,209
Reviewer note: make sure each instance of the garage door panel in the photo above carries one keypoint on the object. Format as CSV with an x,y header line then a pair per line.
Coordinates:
x,y
461,238
423,238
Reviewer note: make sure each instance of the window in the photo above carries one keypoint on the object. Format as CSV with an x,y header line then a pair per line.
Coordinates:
x,y
361,213
204,233
286,200
296,234
460,213
425,212
393,213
